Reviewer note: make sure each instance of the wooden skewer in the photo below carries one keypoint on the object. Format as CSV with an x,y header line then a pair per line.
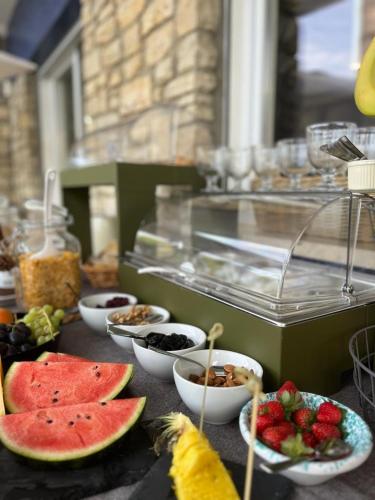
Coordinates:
x,y
250,454
254,386
215,332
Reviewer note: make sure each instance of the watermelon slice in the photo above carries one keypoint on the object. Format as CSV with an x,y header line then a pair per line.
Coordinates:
x,y
69,432
59,357
2,407
32,385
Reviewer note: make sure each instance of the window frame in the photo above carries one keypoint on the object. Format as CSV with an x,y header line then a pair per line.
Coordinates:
x,y
253,43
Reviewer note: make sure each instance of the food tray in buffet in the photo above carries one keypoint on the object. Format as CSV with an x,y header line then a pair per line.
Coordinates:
x,y
286,273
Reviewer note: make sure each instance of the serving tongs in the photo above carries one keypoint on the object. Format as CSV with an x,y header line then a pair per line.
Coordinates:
x,y
344,149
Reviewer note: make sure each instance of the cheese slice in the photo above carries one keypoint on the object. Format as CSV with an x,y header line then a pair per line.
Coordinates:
x,y
2,408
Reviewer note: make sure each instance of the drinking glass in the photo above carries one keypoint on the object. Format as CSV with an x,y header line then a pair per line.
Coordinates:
x,y
293,160
238,165
364,139
324,133
211,165
266,166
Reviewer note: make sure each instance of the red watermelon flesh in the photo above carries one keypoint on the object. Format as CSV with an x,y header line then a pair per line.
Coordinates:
x,y
59,357
69,432
32,385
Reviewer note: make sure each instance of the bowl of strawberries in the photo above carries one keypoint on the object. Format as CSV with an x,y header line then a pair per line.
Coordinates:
x,y
292,424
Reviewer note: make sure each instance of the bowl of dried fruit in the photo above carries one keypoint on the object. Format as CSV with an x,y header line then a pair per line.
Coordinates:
x,y
134,319
292,424
225,394
175,338
95,308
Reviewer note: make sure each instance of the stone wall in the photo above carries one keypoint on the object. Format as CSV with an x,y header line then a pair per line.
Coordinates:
x,y
5,161
20,173
139,56
24,130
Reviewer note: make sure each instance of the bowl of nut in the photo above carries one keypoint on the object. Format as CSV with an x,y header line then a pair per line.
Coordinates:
x,y
175,338
95,308
134,319
225,393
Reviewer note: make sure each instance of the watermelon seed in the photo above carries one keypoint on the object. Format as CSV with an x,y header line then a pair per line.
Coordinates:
x,y
56,392
55,400
46,364
71,423
49,421
97,374
103,403
88,417
38,385
78,416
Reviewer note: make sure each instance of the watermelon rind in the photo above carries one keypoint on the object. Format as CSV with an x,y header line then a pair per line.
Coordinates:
x,y
47,356
12,407
2,407
51,456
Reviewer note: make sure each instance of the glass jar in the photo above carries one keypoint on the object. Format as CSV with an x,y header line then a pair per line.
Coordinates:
x,y
53,279
8,224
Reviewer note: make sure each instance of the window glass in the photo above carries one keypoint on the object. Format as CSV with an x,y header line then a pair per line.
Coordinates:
x,y
319,50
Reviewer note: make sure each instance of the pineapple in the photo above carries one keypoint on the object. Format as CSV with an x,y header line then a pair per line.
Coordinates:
x,y
197,471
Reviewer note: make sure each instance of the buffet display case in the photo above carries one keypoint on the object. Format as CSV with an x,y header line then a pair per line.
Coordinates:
x,y
290,275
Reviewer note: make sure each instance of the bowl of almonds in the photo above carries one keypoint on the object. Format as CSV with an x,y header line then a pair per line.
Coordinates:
x,y
225,393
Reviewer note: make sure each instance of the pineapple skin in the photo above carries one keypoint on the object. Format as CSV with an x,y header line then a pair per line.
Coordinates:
x,y
197,471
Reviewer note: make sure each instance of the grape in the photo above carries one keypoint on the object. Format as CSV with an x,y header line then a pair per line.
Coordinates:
x,y
34,310
55,322
41,340
59,314
38,332
48,309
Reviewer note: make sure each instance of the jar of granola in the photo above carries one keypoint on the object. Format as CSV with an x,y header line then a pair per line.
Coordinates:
x,y
54,279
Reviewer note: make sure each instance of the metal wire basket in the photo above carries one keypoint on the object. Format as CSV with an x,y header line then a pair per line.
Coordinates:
x,y
362,350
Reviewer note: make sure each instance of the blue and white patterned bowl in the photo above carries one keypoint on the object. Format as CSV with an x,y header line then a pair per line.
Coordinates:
x,y
357,434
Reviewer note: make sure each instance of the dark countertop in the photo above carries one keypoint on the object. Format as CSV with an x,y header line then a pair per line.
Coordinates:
x,y
163,398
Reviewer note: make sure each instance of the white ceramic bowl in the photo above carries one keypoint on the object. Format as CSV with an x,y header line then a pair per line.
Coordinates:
x,y
127,343
96,318
161,365
357,434
223,404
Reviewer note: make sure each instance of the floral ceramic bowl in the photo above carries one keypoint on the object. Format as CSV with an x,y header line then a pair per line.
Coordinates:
x,y
357,434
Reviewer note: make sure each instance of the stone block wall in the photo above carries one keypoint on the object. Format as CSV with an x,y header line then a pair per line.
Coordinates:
x,y
24,145
141,55
20,170
5,159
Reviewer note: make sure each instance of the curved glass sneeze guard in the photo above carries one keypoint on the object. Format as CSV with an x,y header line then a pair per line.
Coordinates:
x,y
285,257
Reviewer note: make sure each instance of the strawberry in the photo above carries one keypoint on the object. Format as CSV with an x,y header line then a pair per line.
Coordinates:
x,y
328,413
288,426
309,439
273,437
287,386
273,408
263,421
325,431
295,446
303,417
289,396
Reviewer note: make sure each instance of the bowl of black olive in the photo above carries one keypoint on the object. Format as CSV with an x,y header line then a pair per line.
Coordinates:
x,y
171,337
17,344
